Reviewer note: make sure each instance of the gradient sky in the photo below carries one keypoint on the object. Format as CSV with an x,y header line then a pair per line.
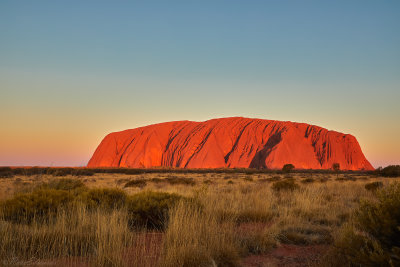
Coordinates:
x,y
73,71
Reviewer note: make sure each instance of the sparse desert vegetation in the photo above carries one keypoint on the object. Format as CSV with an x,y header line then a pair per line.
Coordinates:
x,y
240,217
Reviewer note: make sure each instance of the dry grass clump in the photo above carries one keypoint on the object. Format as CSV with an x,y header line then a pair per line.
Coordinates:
x,y
308,181
373,186
312,235
150,209
136,183
180,180
373,237
40,205
285,185
6,172
196,238
76,234
208,181
107,198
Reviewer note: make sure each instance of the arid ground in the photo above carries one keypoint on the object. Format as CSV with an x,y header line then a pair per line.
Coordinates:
x,y
206,219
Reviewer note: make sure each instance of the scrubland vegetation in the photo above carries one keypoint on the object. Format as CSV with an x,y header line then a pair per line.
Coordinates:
x,y
233,218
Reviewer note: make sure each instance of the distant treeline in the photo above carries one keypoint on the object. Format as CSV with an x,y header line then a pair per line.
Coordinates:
x,y
389,171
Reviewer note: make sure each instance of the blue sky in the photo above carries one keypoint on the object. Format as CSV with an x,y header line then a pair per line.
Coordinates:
x,y
72,71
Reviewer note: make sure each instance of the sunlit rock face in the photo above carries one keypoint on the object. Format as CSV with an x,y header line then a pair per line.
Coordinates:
x,y
230,143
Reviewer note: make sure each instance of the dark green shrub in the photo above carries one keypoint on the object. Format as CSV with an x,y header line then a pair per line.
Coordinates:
x,y
66,184
180,180
285,185
156,180
6,172
247,178
83,172
308,181
287,167
374,186
375,238
5,169
136,183
230,182
150,209
208,181
391,171
39,204
109,198
274,178
336,167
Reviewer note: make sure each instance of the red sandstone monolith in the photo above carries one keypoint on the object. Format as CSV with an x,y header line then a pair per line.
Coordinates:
x,y
230,143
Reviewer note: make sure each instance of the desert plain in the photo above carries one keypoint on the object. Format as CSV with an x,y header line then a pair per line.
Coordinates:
x,y
244,217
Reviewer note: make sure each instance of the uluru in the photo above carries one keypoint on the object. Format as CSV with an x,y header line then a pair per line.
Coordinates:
x,y
230,143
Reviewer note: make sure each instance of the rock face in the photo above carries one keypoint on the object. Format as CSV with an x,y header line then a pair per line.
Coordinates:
x,y
230,143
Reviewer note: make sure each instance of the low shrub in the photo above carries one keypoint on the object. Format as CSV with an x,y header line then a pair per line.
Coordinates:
x,y
373,186
305,236
69,171
308,181
108,198
374,239
41,204
65,184
274,178
256,242
345,179
390,171
136,183
156,180
247,178
288,167
180,180
285,185
150,209
6,174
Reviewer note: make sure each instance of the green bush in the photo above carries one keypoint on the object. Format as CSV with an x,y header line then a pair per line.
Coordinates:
x,y
374,240
6,172
150,209
69,171
109,198
308,180
136,183
66,184
285,185
274,178
287,167
373,186
39,204
156,180
180,180
391,171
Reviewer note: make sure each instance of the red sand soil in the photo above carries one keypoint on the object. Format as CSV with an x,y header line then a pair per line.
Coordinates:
x,y
230,143
288,256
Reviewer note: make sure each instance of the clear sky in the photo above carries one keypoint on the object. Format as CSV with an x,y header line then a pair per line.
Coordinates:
x,y
73,71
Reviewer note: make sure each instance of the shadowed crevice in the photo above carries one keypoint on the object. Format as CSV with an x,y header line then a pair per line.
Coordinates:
x,y
259,158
